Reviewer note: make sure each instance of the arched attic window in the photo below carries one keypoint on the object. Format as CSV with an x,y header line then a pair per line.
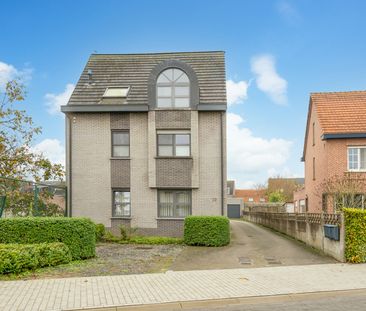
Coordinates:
x,y
172,89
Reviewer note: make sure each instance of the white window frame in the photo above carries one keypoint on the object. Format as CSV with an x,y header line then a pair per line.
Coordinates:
x,y
124,89
358,169
173,84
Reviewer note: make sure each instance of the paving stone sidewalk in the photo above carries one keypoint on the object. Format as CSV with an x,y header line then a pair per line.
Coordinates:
x,y
124,290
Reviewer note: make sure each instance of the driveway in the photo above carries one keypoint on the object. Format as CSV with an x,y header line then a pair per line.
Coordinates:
x,y
251,246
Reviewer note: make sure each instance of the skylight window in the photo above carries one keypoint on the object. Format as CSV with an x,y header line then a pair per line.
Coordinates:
x,y
116,92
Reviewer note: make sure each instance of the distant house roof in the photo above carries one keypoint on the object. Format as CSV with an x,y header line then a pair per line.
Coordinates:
x,y
296,180
341,114
245,194
133,70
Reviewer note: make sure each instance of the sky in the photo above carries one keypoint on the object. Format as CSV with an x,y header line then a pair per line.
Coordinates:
x,y
277,53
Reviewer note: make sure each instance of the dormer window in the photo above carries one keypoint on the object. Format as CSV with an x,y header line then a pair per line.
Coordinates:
x,y
116,92
173,89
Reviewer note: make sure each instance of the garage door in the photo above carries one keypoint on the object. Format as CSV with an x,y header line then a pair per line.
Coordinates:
x,y
233,210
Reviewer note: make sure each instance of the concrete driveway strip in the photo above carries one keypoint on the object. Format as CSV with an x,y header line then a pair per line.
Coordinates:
x,y
251,246
178,286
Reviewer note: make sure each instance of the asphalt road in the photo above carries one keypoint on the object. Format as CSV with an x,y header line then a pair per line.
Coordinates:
x,y
331,301
252,246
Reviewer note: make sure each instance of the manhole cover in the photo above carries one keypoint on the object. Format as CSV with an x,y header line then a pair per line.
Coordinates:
x,y
273,261
245,261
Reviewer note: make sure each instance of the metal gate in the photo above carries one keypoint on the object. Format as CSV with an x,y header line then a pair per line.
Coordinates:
x,y
233,210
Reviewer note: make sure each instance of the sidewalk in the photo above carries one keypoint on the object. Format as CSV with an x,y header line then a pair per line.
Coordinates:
x,y
181,286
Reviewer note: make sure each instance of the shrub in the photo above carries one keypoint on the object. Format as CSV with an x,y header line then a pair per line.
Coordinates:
x,y
207,230
355,239
15,258
99,232
127,232
110,237
155,240
77,233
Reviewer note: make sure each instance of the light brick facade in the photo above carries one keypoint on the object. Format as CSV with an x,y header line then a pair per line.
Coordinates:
x,y
93,173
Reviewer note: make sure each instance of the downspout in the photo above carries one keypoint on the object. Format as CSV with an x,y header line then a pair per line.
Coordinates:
x,y
69,168
222,164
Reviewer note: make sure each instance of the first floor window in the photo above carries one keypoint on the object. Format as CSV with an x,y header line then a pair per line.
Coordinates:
x,y
121,203
174,203
357,158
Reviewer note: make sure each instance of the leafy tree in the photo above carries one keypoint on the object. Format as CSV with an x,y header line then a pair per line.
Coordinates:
x,y
276,196
17,133
17,159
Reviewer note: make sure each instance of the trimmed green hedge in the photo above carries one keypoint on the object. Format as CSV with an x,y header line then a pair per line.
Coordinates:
x,y
77,233
207,230
355,239
15,258
154,240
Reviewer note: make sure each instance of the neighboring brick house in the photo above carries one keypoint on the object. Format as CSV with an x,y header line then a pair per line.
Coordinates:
x,y
335,146
146,140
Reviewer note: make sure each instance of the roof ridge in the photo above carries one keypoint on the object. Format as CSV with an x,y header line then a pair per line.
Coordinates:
x,y
157,53
337,92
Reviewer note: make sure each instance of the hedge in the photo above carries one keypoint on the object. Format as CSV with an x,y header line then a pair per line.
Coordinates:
x,y
15,258
355,237
77,233
207,230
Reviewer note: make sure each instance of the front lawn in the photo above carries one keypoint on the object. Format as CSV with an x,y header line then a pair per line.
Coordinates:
x,y
111,259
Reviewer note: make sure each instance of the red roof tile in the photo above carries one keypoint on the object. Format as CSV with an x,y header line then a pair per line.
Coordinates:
x,y
341,112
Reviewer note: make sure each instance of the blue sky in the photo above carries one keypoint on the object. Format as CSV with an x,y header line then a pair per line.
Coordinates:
x,y
277,52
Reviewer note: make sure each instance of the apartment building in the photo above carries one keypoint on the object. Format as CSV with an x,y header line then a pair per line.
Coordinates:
x,y
146,140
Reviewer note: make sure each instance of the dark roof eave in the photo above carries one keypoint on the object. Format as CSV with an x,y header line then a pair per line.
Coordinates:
x,y
211,107
130,108
343,136
105,108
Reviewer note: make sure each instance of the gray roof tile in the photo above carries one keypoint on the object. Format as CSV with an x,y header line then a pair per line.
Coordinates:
x,y
134,69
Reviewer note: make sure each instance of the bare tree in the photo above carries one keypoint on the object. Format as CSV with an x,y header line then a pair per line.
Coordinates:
x,y
347,190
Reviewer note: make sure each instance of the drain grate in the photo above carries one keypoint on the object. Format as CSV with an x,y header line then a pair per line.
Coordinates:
x,y
273,261
245,261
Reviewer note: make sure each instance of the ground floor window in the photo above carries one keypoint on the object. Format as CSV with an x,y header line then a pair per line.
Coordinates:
x,y
174,203
121,203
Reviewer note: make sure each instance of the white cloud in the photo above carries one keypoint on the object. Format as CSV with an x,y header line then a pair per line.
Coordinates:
x,y
251,158
55,101
52,149
9,72
236,91
288,11
283,172
268,80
